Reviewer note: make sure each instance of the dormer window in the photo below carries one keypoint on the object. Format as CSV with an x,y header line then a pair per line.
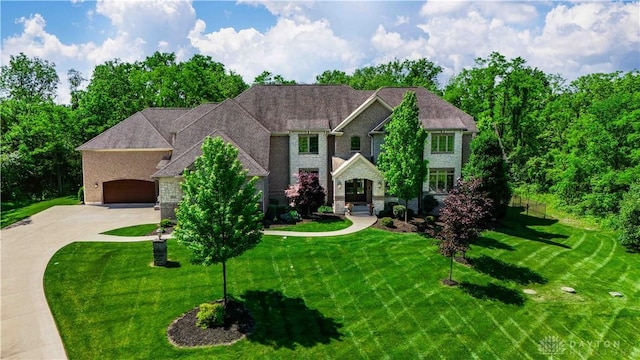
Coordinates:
x,y
355,143
308,144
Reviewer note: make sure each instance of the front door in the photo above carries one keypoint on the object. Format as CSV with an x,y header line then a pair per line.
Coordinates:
x,y
356,191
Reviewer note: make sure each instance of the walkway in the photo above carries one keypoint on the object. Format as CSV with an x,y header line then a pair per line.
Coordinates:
x,y
359,221
28,329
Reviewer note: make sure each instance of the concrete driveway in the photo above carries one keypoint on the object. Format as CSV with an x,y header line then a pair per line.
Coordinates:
x,y
28,329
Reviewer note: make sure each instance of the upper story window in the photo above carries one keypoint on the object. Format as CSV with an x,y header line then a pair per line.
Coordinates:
x,y
355,143
308,144
441,180
442,143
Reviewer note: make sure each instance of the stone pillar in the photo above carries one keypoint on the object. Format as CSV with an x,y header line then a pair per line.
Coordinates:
x,y
159,252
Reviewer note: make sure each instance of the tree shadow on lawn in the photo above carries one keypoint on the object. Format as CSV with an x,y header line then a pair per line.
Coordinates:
x,y
493,292
490,243
284,322
517,225
501,270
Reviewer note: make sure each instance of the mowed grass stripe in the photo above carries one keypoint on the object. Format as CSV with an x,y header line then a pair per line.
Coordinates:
x,y
103,293
351,300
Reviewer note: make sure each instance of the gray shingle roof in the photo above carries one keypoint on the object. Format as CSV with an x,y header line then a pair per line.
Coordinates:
x,y
283,107
135,132
240,126
250,119
435,113
178,164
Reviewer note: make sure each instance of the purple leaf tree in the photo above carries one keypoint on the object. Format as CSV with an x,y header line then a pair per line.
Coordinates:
x,y
465,215
306,195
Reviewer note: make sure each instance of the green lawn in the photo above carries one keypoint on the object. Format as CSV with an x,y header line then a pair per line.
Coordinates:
x,y
327,224
14,212
135,230
373,294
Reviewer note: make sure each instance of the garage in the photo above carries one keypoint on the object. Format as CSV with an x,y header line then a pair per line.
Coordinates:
x,y
129,191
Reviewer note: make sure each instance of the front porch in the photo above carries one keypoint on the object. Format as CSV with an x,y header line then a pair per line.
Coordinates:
x,y
359,182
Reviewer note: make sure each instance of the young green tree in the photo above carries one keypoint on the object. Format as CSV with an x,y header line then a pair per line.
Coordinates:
x,y
219,216
401,160
486,163
630,219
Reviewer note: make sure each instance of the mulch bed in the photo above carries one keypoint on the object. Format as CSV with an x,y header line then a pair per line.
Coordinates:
x,y
183,332
167,231
315,217
415,224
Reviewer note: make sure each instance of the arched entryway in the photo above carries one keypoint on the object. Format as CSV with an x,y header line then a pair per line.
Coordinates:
x,y
128,191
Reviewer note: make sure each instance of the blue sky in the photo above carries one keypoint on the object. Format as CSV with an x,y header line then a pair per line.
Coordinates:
x,y
300,39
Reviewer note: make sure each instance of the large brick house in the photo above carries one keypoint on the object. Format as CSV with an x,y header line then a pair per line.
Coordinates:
x,y
332,130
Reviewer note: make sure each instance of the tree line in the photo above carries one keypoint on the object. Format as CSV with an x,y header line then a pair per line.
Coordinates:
x,y
578,140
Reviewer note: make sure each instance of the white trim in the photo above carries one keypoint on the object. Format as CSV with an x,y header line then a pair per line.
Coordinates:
x,y
355,158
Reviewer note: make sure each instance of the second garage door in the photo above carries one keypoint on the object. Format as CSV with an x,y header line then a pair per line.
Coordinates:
x,y
129,191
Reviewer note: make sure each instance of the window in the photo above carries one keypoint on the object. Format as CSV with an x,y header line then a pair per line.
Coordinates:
x,y
314,171
355,143
308,144
441,180
442,143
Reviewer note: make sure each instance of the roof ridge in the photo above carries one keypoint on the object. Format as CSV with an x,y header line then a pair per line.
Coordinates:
x,y
155,128
199,117
249,114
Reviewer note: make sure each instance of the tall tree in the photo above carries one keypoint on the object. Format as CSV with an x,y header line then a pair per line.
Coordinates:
x,y
464,216
487,163
401,159
218,217
307,195
28,79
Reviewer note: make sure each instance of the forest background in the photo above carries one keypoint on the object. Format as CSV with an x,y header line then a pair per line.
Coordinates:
x,y
577,141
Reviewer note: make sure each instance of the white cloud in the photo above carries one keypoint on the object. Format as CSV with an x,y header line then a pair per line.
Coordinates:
x,y
589,37
295,48
401,20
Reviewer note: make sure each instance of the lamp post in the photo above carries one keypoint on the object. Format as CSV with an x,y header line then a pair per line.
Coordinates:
x,y
159,249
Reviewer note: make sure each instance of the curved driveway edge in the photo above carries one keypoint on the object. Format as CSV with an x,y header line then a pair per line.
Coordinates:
x,y
28,328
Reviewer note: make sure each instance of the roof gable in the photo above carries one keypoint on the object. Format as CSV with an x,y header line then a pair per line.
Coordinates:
x,y
357,158
233,120
177,166
370,101
135,132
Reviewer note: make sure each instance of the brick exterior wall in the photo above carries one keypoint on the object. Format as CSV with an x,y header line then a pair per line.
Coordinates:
x,y
278,168
102,166
360,126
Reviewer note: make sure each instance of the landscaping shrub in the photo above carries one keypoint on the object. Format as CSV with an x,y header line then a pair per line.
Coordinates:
x,y
398,211
291,216
430,220
81,194
165,223
429,203
386,222
389,206
326,209
210,315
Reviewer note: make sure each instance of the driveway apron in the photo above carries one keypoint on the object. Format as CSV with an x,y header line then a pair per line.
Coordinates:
x,y
28,328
